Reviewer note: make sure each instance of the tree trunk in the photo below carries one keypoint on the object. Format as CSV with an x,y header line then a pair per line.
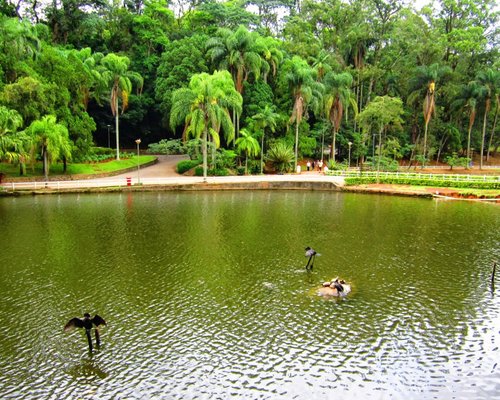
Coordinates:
x,y
204,151
379,152
425,143
117,132
483,136
45,163
296,146
262,152
492,133
441,147
214,153
332,156
468,143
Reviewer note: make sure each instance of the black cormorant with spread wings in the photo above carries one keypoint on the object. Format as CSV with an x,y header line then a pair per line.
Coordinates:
x,y
87,323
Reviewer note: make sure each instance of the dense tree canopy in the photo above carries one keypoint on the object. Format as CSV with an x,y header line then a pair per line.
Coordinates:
x,y
317,64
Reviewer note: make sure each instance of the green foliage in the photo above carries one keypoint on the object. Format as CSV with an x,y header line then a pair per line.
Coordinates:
x,y
179,62
100,154
166,146
455,161
211,171
226,159
281,156
337,166
186,165
204,108
360,51
383,163
423,182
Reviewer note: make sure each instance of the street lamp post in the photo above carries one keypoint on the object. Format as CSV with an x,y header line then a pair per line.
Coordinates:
x,y
138,142
109,142
349,163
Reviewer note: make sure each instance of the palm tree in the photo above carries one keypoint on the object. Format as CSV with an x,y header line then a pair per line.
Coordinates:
x,y
467,99
489,82
338,98
11,142
267,118
114,71
51,139
236,52
424,81
321,64
271,56
247,144
203,108
301,82
89,76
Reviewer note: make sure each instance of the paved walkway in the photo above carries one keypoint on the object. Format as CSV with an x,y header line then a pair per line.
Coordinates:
x,y
164,173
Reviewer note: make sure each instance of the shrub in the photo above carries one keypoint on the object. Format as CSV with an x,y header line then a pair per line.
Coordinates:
x,y
336,166
100,154
386,164
455,161
186,165
193,148
423,182
225,159
281,156
218,172
168,147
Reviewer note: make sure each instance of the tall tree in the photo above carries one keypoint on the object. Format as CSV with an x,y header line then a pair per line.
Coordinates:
x,y
489,82
303,87
203,108
236,52
378,116
19,45
467,100
247,144
424,81
115,72
338,97
267,118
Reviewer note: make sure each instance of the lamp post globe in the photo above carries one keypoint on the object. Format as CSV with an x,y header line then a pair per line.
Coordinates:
x,y
138,142
349,162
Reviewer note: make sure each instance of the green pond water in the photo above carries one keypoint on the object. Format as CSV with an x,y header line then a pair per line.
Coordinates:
x,y
206,296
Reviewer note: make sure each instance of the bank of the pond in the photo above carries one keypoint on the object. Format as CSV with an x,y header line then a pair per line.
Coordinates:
x,y
162,176
213,184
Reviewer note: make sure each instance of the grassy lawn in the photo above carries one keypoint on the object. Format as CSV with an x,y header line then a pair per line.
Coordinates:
x,y
12,171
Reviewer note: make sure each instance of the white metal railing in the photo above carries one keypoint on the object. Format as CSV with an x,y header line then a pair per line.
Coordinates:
x,y
417,175
87,183
181,180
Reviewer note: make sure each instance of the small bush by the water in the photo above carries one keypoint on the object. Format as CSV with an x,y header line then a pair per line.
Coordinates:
x,y
211,171
186,165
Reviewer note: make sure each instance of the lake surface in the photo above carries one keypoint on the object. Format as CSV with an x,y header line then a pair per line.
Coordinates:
x,y
206,296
